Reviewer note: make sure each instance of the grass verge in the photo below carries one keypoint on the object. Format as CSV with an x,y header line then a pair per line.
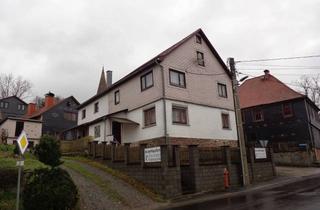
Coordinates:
x,y
133,182
7,200
103,184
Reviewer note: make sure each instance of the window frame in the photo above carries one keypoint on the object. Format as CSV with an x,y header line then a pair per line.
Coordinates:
x,y
198,39
145,111
96,107
180,108
227,125
179,73
199,59
254,115
143,80
117,92
283,110
97,128
222,85
83,113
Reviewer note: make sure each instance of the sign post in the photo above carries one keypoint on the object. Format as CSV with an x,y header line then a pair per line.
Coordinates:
x,y
22,142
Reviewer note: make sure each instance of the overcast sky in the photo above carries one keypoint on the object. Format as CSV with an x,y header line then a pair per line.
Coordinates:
x,y
61,45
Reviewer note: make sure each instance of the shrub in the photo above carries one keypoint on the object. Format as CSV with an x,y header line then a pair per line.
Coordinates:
x,y
50,189
48,151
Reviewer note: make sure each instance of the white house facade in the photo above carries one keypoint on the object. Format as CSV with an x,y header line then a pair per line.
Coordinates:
x,y
182,96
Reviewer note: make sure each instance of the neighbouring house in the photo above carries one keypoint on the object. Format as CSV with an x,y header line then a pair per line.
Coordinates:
x,y
12,107
288,120
181,96
11,128
56,116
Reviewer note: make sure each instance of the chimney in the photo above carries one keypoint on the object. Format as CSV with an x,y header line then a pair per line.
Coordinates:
x,y
49,100
266,74
109,78
31,109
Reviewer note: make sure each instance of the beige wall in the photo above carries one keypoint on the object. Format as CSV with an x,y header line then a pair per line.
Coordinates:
x,y
131,95
32,129
201,89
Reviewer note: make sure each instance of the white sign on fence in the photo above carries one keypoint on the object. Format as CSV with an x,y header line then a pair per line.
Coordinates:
x,y
260,153
152,154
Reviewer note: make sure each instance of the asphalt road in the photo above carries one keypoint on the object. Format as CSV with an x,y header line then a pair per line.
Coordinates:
x,y
302,195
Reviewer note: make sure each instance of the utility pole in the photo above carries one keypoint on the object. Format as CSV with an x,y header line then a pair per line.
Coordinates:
x,y
242,145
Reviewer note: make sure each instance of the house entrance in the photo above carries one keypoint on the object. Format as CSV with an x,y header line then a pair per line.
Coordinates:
x,y
116,131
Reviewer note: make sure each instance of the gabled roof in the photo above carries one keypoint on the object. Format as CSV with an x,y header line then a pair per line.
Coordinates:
x,y
265,90
158,59
45,109
15,98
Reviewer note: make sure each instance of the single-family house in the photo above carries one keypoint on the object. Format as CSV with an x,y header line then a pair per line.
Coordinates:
x,y
181,96
12,107
273,112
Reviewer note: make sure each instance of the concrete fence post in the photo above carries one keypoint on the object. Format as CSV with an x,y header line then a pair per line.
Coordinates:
x,y
126,153
164,156
142,147
194,165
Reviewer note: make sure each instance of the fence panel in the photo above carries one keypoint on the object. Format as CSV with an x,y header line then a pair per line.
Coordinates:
x,y
134,154
119,153
211,155
184,156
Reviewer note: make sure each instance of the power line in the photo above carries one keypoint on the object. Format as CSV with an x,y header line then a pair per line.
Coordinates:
x,y
276,59
267,65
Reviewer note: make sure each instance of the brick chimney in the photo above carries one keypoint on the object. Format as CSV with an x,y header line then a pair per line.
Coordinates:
x,y
49,100
266,74
31,109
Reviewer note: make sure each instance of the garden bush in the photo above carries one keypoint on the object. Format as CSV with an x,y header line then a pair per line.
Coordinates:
x,y
50,189
48,151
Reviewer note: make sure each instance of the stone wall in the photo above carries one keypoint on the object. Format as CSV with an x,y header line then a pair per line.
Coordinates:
x,y
297,158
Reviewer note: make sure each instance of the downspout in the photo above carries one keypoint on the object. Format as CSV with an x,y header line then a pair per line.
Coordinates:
x,y
164,102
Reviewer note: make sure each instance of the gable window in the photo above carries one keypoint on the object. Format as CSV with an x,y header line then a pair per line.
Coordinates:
x,y
257,115
200,58
97,131
19,128
180,115
225,120
177,78
198,39
117,97
83,113
287,110
149,116
96,107
146,80
4,104
222,90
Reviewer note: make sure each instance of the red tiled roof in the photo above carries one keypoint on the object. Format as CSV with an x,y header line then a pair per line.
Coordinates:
x,y
259,91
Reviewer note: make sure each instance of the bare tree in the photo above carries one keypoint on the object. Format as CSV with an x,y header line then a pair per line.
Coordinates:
x,y
14,86
311,87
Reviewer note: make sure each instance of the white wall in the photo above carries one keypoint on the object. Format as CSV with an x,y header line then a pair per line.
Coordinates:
x,y
204,122
90,115
104,130
134,133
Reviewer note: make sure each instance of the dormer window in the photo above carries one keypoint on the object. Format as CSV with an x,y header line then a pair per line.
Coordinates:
x,y
200,58
21,107
198,39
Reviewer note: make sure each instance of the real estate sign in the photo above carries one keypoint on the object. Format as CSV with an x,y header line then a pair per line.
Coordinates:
x,y
152,154
260,153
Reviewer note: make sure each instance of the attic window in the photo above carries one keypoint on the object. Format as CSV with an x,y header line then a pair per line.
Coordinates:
x,y
200,58
198,39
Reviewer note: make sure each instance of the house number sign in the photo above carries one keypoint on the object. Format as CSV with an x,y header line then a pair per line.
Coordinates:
x,y
152,154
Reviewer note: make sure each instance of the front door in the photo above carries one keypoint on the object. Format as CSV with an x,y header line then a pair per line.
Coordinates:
x,y
116,131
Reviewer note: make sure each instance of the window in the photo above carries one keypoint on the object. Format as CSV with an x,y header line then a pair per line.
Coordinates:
x,y
21,107
70,116
225,120
149,116
83,113
222,90
117,97
177,78
179,115
200,58
96,107
198,39
4,104
19,128
97,131
146,81
257,115
287,110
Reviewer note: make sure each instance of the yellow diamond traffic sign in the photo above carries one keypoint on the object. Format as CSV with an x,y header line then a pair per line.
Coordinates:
x,y
22,142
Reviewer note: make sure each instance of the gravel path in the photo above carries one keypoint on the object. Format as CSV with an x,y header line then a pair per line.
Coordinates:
x,y
92,196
